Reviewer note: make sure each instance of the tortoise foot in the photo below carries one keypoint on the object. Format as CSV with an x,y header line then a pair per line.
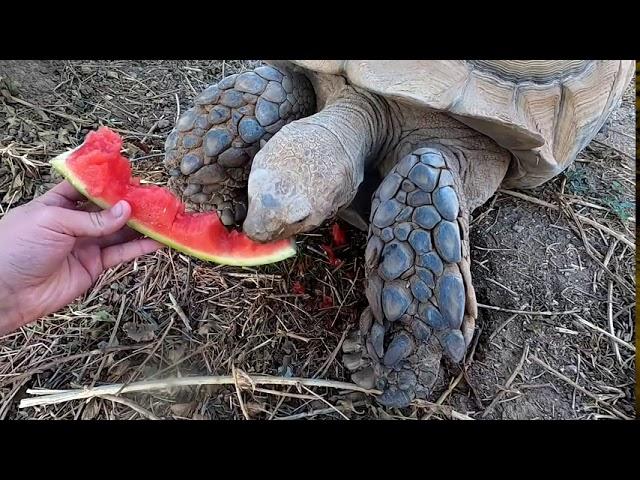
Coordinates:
x,y
421,301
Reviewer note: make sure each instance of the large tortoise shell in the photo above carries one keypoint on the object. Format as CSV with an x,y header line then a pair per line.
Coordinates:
x,y
543,111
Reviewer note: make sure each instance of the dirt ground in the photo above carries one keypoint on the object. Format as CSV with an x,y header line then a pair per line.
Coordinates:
x,y
167,316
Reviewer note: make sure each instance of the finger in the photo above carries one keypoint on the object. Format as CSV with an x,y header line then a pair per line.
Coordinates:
x,y
124,252
123,235
62,195
89,207
86,224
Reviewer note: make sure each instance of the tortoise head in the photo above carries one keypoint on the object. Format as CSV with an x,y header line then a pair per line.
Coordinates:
x,y
313,167
299,179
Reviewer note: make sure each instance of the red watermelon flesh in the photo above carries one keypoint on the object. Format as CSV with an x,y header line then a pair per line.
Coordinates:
x,y
102,174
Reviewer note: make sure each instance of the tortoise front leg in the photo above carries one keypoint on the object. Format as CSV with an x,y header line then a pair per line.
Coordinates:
x,y
422,301
209,152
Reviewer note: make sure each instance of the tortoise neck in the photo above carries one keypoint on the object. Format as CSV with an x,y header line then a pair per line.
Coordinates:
x,y
362,122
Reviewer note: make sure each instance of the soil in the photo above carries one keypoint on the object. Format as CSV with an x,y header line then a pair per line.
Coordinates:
x,y
288,319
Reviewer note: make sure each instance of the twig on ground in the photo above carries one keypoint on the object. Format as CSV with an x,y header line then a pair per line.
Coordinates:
x,y
8,400
524,312
460,376
52,112
278,393
180,312
136,134
578,387
599,142
325,401
313,413
114,332
582,218
132,405
146,386
502,392
502,326
434,407
595,255
234,373
573,395
155,347
604,332
502,286
616,349
70,358
327,363
177,108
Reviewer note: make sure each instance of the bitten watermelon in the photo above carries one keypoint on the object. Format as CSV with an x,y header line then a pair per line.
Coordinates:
x,y
98,171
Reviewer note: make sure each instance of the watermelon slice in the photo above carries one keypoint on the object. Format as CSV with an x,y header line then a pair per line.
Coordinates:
x,y
98,171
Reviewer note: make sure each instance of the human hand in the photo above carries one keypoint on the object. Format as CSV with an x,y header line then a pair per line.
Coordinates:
x,y
51,252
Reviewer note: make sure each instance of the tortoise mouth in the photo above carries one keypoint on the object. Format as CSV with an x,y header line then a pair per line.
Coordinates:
x,y
257,232
273,214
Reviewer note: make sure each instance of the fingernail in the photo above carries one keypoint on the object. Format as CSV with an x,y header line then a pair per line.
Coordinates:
x,y
117,210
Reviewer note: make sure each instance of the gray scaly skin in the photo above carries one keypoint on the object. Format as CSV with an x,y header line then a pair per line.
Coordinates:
x,y
419,283
209,152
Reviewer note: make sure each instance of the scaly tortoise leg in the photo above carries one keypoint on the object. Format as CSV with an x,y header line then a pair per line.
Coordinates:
x,y
421,300
209,152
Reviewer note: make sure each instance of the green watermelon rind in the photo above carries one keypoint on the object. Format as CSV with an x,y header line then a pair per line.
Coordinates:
x,y
60,164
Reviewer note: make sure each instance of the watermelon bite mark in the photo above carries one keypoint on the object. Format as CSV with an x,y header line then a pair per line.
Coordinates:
x,y
98,171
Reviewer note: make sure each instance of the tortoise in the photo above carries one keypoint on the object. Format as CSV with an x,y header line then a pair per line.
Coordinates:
x,y
404,149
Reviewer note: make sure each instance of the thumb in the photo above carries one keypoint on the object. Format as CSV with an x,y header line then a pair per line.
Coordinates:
x,y
92,224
